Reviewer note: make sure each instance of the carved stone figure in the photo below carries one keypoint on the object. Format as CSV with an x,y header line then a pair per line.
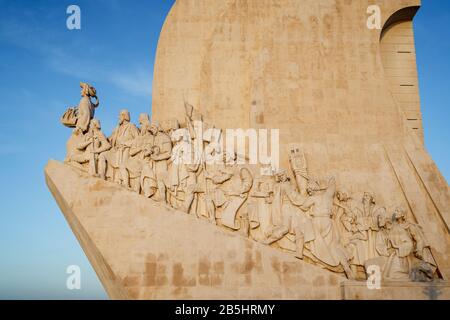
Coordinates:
x,y
81,116
86,109
409,255
261,213
298,165
351,237
287,216
93,144
382,236
326,243
178,168
139,165
367,221
121,141
161,152
72,151
234,183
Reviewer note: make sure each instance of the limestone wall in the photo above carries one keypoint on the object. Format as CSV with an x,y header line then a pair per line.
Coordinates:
x,y
315,71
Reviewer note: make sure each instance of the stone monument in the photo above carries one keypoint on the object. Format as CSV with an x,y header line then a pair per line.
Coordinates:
x,y
354,209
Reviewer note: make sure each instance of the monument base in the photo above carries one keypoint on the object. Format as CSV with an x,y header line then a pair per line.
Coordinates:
x,y
142,249
396,290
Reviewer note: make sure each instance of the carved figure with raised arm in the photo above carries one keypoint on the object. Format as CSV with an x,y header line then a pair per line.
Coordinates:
x,y
287,216
233,186
325,246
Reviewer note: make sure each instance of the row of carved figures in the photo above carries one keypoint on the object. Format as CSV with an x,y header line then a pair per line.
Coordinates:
x,y
310,219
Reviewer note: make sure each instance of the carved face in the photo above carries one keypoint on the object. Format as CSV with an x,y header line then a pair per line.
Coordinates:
x,y
399,214
342,196
368,199
154,128
381,220
84,91
87,90
281,176
228,158
313,187
124,116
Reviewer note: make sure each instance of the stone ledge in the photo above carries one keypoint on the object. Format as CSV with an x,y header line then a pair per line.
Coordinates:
x,y
396,290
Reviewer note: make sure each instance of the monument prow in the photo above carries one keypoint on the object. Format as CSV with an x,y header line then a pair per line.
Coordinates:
x,y
142,249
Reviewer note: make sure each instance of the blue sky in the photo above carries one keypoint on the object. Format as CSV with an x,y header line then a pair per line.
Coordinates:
x,y
41,64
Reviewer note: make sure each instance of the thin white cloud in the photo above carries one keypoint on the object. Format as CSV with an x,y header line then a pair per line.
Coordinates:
x,y
134,80
137,82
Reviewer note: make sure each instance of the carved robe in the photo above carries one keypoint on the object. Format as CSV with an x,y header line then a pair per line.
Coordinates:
x,y
261,215
163,145
286,212
326,243
139,165
177,172
142,143
354,240
408,243
235,190
85,113
121,140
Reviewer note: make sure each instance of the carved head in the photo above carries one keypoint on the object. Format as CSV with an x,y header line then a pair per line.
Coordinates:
x,y
228,158
368,199
144,120
381,220
281,175
312,187
124,116
179,135
342,196
87,90
155,127
399,215
95,124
